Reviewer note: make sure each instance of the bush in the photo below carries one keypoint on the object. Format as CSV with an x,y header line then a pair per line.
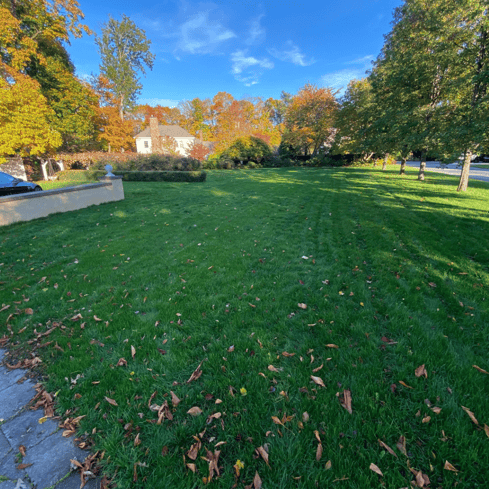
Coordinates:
x,y
154,176
247,149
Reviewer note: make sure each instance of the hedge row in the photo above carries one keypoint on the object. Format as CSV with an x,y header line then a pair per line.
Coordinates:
x,y
156,176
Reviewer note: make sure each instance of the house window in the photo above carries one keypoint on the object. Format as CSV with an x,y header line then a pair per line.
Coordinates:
x,y
146,144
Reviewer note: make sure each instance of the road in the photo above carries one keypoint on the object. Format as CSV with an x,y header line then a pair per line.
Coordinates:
x,y
453,169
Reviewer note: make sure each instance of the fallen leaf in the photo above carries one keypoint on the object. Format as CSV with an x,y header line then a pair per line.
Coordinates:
x,y
319,452
401,445
174,399
405,385
121,363
318,381
471,415
133,351
111,401
480,369
316,434
277,420
286,354
196,373
274,369
192,467
374,468
263,454
328,465
388,448
257,481
317,369
137,441
331,345
449,466
22,450
302,305
486,429
194,411
194,450
22,466
421,371
436,410
426,419
346,400
97,319
29,311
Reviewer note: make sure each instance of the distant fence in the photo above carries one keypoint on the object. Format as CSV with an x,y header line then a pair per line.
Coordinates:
x,y
32,205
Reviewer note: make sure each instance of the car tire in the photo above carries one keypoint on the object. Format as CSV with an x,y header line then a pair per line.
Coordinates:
x,y
37,189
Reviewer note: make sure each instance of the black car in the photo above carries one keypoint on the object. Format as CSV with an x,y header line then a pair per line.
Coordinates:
x,y
10,185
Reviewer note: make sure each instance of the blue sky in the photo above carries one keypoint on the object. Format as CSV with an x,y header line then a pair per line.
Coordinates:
x,y
249,49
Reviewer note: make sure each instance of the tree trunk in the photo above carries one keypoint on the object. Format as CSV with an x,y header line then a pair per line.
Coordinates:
x,y
375,162
464,176
384,164
422,167
402,171
121,108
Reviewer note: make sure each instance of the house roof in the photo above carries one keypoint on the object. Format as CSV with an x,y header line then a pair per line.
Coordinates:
x,y
171,131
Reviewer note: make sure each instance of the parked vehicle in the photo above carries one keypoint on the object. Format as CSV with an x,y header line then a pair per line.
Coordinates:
x,y
10,185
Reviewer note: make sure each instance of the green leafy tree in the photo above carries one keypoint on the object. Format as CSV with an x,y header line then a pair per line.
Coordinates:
x,y
246,149
124,51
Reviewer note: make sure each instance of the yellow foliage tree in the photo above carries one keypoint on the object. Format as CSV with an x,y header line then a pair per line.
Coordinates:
x,y
24,117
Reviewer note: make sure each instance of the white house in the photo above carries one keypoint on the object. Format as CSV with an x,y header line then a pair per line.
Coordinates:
x,y
145,140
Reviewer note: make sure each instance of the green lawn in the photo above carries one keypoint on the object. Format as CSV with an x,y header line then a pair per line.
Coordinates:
x,y
266,279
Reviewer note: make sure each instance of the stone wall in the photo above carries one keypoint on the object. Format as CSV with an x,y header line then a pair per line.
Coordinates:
x,y
14,167
32,205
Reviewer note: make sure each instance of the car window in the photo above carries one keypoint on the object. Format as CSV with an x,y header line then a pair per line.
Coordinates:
x,y
6,178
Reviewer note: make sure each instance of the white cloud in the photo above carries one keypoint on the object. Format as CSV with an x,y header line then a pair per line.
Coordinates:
x,y
339,79
164,102
291,53
362,61
201,35
248,69
256,33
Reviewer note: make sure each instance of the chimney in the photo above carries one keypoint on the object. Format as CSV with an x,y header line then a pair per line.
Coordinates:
x,y
155,136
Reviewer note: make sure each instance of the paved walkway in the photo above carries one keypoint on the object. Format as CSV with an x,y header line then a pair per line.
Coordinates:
x,y
453,169
46,463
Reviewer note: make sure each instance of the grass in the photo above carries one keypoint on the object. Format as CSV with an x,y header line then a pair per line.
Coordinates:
x,y
394,274
67,178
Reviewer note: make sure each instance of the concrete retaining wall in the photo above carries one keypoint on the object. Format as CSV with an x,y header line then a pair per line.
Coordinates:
x,y
32,205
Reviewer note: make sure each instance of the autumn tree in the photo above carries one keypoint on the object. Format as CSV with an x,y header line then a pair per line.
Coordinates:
x,y
32,37
198,151
124,51
310,120
246,149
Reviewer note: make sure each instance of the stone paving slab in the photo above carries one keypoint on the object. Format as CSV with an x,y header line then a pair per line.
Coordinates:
x,y
5,447
73,482
15,397
9,484
50,460
27,431
8,467
9,378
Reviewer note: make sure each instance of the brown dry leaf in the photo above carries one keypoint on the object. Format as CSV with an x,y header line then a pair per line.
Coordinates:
x,y
192,467
274,369
422,480
111,401
29,311
286,354
194,450
376,469
77,317
346,400
328,465
97,319
318,381
174,399
305,416
436,410
471,415
421,371
449,466
405,385
319,452
316,434
194,411
22,450
331,345
133,351
257,481
302,305
196,373
22,466
317,369
263,454
401,445
388,448
122,362
481,370
277,420
426,419
137,441
486,430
